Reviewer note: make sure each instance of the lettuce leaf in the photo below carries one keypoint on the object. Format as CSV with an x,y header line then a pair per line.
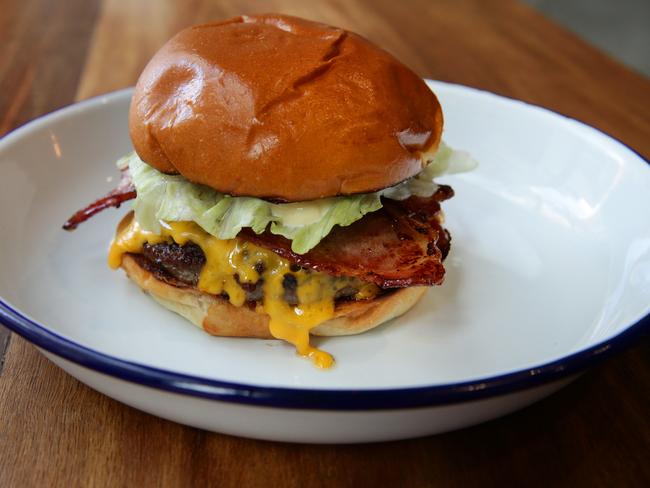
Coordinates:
x,y
172,198
343,211
444,161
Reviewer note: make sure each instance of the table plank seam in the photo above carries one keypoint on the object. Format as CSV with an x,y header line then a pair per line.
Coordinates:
x,y
5,337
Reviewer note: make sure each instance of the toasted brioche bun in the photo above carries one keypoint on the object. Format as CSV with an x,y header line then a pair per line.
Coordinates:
x,y
217,316
278,107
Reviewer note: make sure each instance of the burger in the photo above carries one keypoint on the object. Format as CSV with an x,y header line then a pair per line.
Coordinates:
x,y
283,178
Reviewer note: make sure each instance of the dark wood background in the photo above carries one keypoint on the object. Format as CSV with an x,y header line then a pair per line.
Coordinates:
x,y
54,431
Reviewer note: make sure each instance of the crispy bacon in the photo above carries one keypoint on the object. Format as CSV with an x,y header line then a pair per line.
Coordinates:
x,y
124,191
401,245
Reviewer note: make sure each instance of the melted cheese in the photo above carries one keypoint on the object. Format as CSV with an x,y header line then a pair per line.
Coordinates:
x,y
228,261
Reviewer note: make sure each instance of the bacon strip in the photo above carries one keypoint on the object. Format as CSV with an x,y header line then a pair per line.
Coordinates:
x,y
400,245
125,191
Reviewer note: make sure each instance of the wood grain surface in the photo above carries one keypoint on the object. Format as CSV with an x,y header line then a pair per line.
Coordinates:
x,y
54,431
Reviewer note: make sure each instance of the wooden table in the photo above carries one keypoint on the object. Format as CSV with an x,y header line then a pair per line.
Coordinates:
x,y
56,431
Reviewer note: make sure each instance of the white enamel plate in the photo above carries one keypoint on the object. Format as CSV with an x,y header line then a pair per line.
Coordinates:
x,y
549,271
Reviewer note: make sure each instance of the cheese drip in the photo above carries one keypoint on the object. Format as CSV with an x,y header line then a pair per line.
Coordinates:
x,y
233,261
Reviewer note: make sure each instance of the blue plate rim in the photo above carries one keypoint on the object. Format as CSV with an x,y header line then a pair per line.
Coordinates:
x,y
296,398
319,399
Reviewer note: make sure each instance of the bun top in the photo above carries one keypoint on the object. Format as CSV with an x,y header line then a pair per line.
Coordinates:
x,y
283,108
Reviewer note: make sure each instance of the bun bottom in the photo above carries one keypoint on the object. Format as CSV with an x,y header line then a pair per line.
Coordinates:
x,y
219,317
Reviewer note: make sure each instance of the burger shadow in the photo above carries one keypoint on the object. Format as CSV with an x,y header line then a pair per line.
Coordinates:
x,y
440,307
464,305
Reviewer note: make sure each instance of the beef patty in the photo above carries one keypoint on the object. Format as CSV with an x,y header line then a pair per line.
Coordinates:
x,y
181,266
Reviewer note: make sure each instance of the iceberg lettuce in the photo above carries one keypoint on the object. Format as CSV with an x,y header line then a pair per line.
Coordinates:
x,y
172,198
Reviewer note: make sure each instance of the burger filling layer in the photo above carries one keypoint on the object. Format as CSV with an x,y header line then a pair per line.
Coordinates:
x,y
296,299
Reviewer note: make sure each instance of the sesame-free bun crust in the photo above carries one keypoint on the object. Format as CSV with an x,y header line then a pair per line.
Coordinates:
x,y
217,316
279,107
